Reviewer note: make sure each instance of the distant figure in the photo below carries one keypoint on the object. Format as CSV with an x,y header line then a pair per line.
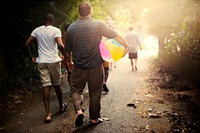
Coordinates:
x,y
65,65
48,61
106,74
111,65
82,41
132,39
111,25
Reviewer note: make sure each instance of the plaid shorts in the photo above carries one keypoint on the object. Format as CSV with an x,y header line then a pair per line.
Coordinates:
x,y
133,55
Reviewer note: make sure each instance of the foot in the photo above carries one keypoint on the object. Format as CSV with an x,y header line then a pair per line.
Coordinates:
x,y
79,120
48,118
105,88
132,68
135,67
95,122
64,107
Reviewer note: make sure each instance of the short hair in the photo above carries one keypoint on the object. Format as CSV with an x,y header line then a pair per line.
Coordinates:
x,y
84,9
130,28
49,18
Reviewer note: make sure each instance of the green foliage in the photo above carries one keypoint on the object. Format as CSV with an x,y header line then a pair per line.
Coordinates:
x,y
19,22
178,21
186,33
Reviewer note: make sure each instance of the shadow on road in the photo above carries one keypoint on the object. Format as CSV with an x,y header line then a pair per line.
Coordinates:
x,y
151,99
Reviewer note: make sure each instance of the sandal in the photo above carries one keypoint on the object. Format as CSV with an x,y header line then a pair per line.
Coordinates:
x,y
64,108
96,123
48,118
79,120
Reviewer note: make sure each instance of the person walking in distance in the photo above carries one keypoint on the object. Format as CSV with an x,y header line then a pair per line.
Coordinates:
x,y
48,61
63,61
112,64
134,45
82,41
106,74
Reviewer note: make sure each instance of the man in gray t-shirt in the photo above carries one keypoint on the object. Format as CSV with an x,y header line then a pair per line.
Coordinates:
x,y
82,41
134,45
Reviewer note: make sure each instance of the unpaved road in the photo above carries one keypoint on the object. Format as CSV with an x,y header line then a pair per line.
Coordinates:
x,y
150,113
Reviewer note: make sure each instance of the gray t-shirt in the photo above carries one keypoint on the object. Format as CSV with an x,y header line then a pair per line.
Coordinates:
x,y
83,38
133,41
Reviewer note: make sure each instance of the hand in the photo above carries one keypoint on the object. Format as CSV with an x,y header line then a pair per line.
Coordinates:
x,y
62,57
125,51
33,59
69,65
63,61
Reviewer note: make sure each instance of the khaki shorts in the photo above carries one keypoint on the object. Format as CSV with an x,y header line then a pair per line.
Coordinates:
x,y
50,73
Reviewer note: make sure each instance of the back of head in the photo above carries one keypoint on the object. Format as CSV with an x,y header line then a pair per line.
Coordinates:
x,y
84,9
49,18
130,28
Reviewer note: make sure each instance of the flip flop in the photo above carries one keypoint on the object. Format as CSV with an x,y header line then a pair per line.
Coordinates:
x,y
64,108
131,105
79,120
96,123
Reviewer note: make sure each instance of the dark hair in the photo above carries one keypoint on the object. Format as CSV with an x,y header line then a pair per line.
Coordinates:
x,y
84,9
130,27
49,18
66,27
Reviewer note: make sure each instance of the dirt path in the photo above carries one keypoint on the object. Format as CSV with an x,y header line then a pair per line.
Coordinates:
x,y
150,109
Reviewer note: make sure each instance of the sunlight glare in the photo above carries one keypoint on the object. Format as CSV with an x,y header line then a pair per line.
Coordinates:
x,y
150,46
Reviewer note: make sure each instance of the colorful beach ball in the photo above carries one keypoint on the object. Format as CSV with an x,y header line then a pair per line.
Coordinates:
x,y
111,50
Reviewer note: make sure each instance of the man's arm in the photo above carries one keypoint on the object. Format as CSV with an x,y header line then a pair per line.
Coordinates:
x,y
28,49
68,61
60,46
67,55
138,41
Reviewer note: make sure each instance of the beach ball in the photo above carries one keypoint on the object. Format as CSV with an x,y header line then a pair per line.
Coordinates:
x,y
111,50
116,49
104,51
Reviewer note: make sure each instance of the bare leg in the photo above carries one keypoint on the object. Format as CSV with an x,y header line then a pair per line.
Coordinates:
x,y
106,74
132,64
110,66
136,61
46,91
115,65
68,75
59,95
